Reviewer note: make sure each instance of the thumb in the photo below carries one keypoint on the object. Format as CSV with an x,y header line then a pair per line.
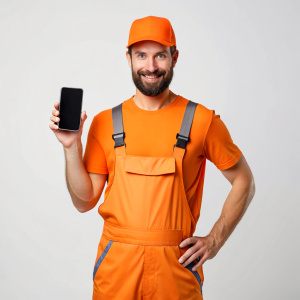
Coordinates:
x,y
83,117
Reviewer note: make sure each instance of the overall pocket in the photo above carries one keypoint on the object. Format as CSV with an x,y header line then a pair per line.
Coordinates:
x,y
145,165
179,252
101,257
195,273
149,188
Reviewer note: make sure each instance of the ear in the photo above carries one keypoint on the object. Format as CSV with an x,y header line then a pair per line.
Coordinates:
x,y
175,58
128,59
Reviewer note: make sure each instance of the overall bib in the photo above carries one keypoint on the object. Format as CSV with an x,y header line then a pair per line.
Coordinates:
x,y
146,216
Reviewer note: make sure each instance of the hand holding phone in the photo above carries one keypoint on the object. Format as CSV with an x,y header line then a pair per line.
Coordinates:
x,y
66,137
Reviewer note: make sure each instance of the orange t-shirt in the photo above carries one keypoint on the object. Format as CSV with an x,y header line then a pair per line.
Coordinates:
x,y
153,133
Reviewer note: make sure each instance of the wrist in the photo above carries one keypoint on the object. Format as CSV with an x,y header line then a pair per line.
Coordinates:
x,y
217,241
74,148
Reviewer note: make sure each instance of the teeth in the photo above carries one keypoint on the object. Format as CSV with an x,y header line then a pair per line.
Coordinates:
x,y
150,76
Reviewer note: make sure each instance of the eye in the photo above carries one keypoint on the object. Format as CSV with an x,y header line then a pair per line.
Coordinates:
x,y
161,55
140,55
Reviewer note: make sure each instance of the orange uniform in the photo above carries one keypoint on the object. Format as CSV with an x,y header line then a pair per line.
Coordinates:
x,y
155,161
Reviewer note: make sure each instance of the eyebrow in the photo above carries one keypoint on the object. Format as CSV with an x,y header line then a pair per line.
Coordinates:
x,y
141,52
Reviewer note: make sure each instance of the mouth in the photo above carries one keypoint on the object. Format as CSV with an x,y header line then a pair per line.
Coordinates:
x,y
151,78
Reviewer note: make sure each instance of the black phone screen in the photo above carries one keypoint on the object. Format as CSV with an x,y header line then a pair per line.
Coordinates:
x,y
70,108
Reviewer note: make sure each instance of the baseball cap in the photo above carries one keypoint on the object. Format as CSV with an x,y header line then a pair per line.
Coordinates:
x,y
152,28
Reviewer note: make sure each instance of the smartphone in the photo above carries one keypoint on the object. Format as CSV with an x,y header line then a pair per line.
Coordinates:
x,y
70,106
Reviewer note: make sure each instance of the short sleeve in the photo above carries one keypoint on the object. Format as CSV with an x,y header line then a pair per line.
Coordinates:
x,y
219,147
94,158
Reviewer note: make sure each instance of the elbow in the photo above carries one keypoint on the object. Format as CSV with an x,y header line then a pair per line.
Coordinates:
x,y
81,210
86,206
249,184
253,188
82,205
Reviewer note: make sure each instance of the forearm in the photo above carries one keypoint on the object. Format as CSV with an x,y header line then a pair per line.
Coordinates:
x,y
233,210
78,181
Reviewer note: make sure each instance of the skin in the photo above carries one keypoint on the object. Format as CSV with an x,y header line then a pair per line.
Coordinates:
x,y
152,95
237,201
86,188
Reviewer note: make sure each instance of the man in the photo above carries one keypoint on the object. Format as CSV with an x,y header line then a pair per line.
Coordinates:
x,y
152,150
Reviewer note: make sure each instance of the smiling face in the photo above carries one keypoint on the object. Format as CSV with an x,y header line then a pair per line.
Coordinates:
x,y
151,67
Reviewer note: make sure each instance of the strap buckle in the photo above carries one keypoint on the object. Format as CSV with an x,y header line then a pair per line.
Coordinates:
x,y
182,140
119,139
118,135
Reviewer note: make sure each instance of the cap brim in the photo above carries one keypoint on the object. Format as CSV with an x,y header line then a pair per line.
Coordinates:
x,y
148,38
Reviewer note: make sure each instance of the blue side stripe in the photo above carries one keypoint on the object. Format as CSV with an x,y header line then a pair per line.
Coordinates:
x,y
190,266
100,259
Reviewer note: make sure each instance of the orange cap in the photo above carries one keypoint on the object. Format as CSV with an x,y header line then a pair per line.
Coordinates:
x,y
152,28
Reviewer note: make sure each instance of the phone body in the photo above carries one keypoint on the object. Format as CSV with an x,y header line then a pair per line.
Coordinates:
x,y
70,106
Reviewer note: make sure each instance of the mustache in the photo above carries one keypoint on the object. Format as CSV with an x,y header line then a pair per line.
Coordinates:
x,y
152,74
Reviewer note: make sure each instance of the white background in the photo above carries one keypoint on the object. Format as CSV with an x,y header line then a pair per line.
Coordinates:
x,y
240,58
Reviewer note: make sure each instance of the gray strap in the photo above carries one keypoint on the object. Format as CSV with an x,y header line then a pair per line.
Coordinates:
x,y
119,133
183,135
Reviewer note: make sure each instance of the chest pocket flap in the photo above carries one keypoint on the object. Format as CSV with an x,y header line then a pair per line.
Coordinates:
x,y
149,165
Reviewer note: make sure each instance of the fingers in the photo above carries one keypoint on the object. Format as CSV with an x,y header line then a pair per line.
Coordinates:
x,y
54,118
193,252
55,112
203,249
53,126
185,257
83,115
201,262
191,257
188,241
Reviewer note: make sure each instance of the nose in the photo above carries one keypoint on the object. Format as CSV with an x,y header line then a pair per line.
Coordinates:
x,y
151,65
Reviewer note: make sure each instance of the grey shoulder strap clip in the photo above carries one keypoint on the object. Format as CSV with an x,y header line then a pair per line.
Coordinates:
x,y
119,133
183,135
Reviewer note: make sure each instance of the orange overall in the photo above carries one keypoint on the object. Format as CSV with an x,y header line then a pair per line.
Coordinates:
x,y
146,216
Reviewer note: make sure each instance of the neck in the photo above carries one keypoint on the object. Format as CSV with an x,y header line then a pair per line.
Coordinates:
x,y
154,103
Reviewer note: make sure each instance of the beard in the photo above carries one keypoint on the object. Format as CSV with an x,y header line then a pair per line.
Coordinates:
x,y
155,88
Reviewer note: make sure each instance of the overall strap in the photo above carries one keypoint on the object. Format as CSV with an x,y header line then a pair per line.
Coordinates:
x,y
119,133
183,135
